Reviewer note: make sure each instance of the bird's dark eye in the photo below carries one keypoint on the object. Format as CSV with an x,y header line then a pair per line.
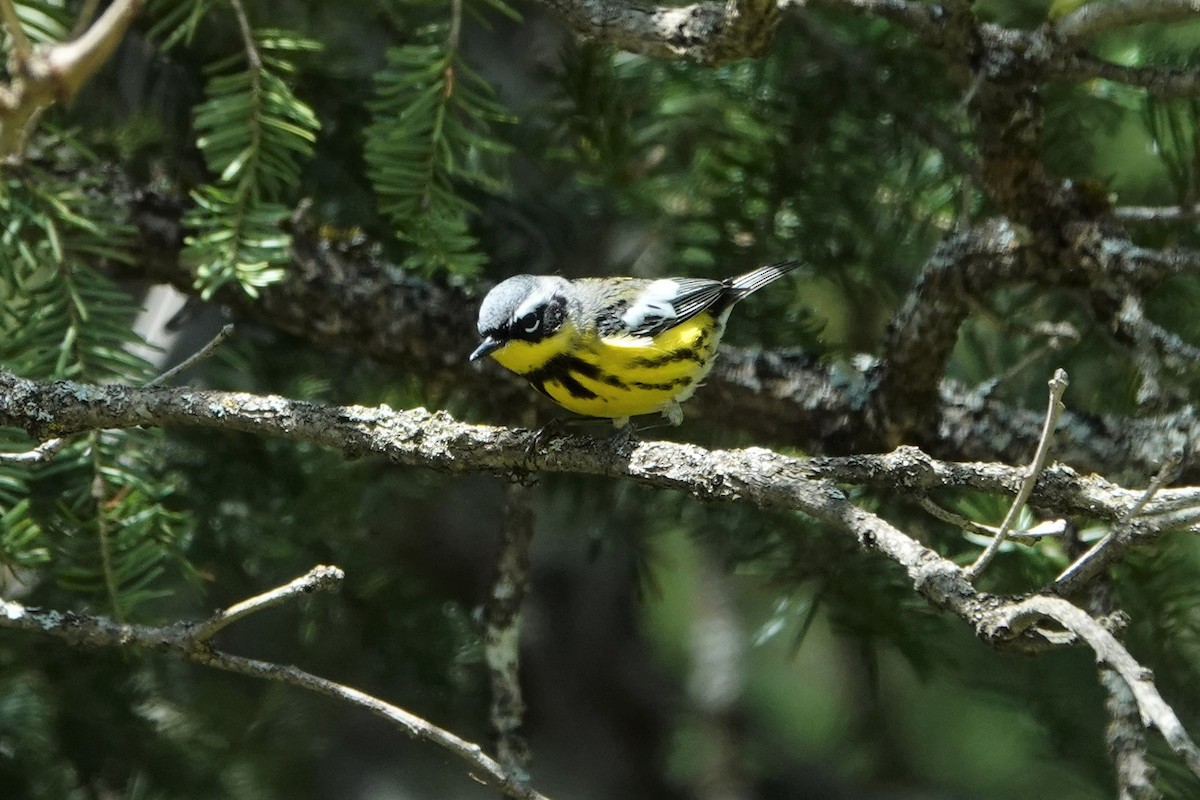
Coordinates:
x,y
529,323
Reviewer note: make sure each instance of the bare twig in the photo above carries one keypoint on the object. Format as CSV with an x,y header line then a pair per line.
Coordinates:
x,y
318,579
85,17
204,352
1058,385
502,636
253,57
1057,336
42,453
1031,536
1103,552
193,643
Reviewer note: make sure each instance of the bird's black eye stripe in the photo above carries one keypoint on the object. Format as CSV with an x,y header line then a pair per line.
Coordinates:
x,y
541,322
529,323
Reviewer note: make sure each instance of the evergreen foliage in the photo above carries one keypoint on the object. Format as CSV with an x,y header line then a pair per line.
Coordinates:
x,y
97,516
255,135
429,141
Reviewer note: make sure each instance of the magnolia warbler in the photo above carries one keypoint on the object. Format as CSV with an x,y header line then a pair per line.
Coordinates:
x,y
613,347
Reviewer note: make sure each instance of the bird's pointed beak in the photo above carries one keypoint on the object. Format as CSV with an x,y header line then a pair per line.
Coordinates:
x,y
488,345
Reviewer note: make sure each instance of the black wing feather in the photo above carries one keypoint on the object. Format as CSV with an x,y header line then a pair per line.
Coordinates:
x,y
694,295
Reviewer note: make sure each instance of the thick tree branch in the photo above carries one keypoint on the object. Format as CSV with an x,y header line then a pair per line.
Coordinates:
x,y
436,440
193,642
924,331
350,298
753,475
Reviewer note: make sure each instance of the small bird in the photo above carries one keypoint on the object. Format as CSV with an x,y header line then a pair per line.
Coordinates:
x,y
613,347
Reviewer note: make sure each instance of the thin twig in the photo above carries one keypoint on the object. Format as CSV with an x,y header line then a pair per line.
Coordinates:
x,y
85,17
204,352
1028,537
1056,337
253,58
51,447
193,643
1058,385
318,579
1102,553
43,452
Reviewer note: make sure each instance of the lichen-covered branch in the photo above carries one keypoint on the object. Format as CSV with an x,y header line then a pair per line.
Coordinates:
x,y
754,475
436,440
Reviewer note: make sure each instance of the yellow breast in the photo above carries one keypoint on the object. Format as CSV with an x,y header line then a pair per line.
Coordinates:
x,y
617,376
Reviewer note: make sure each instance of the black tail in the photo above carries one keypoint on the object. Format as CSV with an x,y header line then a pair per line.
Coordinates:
x,y
745,285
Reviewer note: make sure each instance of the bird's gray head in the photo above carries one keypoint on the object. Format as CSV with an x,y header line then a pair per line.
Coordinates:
x,y
523,308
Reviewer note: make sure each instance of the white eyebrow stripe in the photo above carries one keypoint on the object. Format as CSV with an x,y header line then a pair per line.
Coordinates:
x,y
534,301
655,302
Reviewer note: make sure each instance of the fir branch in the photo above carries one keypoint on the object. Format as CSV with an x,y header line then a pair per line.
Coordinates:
x,y
254,133
110,529
430,137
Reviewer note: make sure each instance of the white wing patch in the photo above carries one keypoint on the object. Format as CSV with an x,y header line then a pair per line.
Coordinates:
x,y
653,307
